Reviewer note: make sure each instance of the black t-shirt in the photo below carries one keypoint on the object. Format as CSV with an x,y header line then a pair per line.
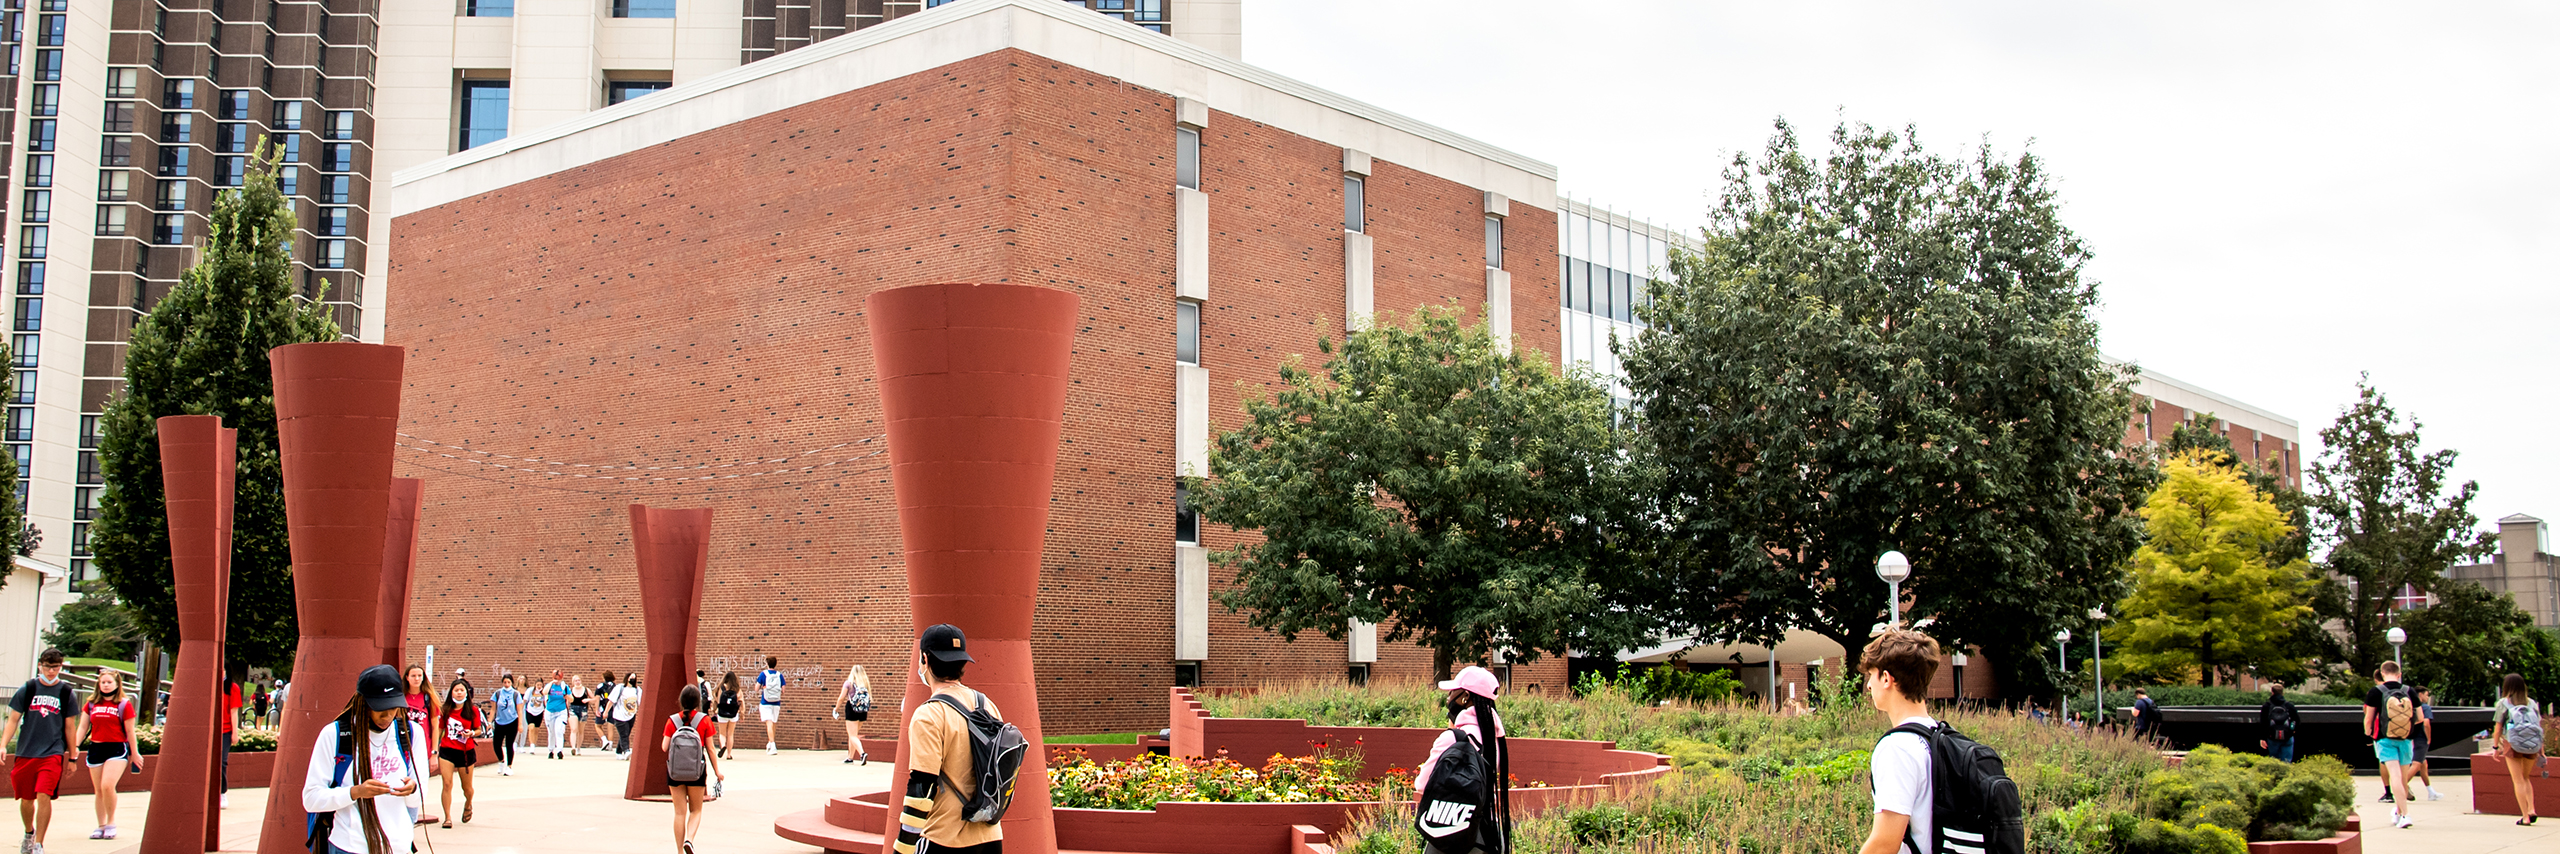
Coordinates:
x,y
2377,700
45,712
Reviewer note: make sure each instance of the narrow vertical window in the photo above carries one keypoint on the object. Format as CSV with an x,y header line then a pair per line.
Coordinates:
x,y
484,113
1355,203
1493,242
1186,521
1186,158
1186,336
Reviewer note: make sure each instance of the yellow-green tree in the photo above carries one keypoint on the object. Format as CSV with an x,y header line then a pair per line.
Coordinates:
x,y
2210,593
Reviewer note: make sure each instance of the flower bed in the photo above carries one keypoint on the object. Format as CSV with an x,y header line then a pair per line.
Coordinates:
x,y
1146,780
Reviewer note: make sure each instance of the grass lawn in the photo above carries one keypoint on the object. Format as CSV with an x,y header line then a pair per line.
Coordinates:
x,y
1097,738
125,666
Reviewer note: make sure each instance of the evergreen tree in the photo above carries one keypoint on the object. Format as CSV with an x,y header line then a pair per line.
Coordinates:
x,y
1885,349
202,350
2210,593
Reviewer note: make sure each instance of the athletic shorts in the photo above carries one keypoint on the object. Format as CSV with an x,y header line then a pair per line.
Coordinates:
x,y
855,713
41,775
989,847
2395,750
460,757
103,752
729,718
699,783
768,712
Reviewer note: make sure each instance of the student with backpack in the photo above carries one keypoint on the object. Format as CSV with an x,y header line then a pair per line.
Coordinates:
x,y
855,698
769,700
1462,796
457,746
555,716
506,711
626,711
364,766
2146,715
690,762
961,757
727,710
2517,728
1936,791
44,720
2425,740
2390,718
2277,720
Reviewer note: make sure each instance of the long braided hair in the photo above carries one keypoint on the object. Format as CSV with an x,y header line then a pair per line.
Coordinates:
x,y
1498,754
355,724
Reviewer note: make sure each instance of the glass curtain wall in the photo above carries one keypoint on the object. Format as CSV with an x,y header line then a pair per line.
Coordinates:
x,y
1608,260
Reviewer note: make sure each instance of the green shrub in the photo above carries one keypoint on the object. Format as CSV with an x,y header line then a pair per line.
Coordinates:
x,y
2154,836
2258,797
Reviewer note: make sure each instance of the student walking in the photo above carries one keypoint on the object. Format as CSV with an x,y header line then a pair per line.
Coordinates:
x,y
2277,720
456,750
555,713
418,691
110,747
769,700
626,711
939,778
604,692
1450,816
231,709
506,715
2517,728
258,715
2390,718
855,698
2146,715
2425,741
41,719
579,697
727,710
1898,665
689,759
364,768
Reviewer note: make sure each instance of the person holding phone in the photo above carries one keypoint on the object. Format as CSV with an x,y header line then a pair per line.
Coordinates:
x,y
364,767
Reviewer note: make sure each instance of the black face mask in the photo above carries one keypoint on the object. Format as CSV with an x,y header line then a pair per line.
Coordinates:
x,y
1456,705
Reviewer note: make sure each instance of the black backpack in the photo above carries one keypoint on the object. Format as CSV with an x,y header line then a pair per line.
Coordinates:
x,y
317,826
2280,721
1975,808
1458,811
996,751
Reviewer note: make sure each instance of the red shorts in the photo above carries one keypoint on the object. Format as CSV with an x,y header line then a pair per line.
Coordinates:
x,y
31,777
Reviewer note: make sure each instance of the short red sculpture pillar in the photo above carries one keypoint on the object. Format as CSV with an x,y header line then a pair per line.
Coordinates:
x,y
198,458
337,410
399,554
674,549
973,381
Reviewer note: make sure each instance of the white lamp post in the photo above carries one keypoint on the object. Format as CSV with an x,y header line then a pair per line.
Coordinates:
x,y
1893,568
2060,638
2097,667
2397,636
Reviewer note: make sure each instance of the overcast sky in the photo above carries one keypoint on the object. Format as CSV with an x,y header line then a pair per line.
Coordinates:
x,y
2279,195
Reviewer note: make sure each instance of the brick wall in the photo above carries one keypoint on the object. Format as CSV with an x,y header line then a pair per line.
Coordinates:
x,y
699,303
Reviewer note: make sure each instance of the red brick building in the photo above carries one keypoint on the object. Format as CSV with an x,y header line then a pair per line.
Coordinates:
x,y
662,302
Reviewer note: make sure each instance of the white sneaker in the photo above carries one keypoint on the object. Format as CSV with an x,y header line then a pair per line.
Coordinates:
x,y
2402,820
2433,795
34,847
226,800
27,843
770,750
506,770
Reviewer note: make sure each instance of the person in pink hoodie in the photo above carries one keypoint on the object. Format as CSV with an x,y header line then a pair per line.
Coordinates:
x,y
1471,699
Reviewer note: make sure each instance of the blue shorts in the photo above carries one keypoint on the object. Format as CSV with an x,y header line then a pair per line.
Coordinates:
x,y
2395,750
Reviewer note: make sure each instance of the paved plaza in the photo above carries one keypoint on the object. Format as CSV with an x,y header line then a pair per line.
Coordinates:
x,y
566,806
2448,826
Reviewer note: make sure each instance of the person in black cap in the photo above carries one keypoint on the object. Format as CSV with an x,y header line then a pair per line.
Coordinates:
x,y
937,746
364,767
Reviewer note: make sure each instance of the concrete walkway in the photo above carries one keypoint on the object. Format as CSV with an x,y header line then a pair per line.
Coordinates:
x,y
2448,826
565,806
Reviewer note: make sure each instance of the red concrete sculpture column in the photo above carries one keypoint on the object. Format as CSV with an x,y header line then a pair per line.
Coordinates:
x,y
674,549
973,382
337,412
198,459
399,553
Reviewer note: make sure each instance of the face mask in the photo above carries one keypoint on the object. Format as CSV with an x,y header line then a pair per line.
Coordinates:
x,y
1455,705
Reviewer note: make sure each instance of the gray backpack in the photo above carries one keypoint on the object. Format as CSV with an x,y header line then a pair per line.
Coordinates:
x,y
2524,729
686,760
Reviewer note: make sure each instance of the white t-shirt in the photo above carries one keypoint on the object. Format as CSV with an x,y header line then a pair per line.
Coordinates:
x,y
771,681
1900,769
348,831
626,702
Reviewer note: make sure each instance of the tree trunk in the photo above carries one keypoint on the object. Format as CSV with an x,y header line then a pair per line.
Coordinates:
x,y
150,680
1443,662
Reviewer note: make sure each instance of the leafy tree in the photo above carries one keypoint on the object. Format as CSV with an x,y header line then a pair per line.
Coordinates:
x,y
203,351
17,535
94,626
1426,481
2205,434
2209,593
1887,349
2471,638
2383,508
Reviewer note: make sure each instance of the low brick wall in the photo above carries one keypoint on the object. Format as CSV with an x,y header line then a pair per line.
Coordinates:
x,y
2349,840
2493,792
249,770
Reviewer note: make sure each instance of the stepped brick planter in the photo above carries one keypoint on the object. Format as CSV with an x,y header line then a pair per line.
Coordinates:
x,y
2494,793
2349,840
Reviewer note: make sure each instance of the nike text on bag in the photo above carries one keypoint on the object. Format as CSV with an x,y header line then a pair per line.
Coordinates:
x,y
1976,807
317,826
2524,729
1456,814
2399,713
996,751
686,760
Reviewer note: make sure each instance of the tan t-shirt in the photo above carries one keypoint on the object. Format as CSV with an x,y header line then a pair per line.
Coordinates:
x,y
941,743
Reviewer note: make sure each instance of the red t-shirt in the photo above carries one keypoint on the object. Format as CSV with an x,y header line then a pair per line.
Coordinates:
x,y
704,727
230,706
459,725
107,721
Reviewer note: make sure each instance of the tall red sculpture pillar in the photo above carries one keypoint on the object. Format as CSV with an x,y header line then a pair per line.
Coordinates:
x,y
337,410
674,549
399,553
973,381
198,458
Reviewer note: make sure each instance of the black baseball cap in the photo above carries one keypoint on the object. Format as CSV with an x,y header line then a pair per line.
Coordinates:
x,y
945,643
379,685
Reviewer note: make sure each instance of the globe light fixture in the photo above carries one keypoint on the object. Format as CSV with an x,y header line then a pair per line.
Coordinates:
x,y
2397,636
1893,568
